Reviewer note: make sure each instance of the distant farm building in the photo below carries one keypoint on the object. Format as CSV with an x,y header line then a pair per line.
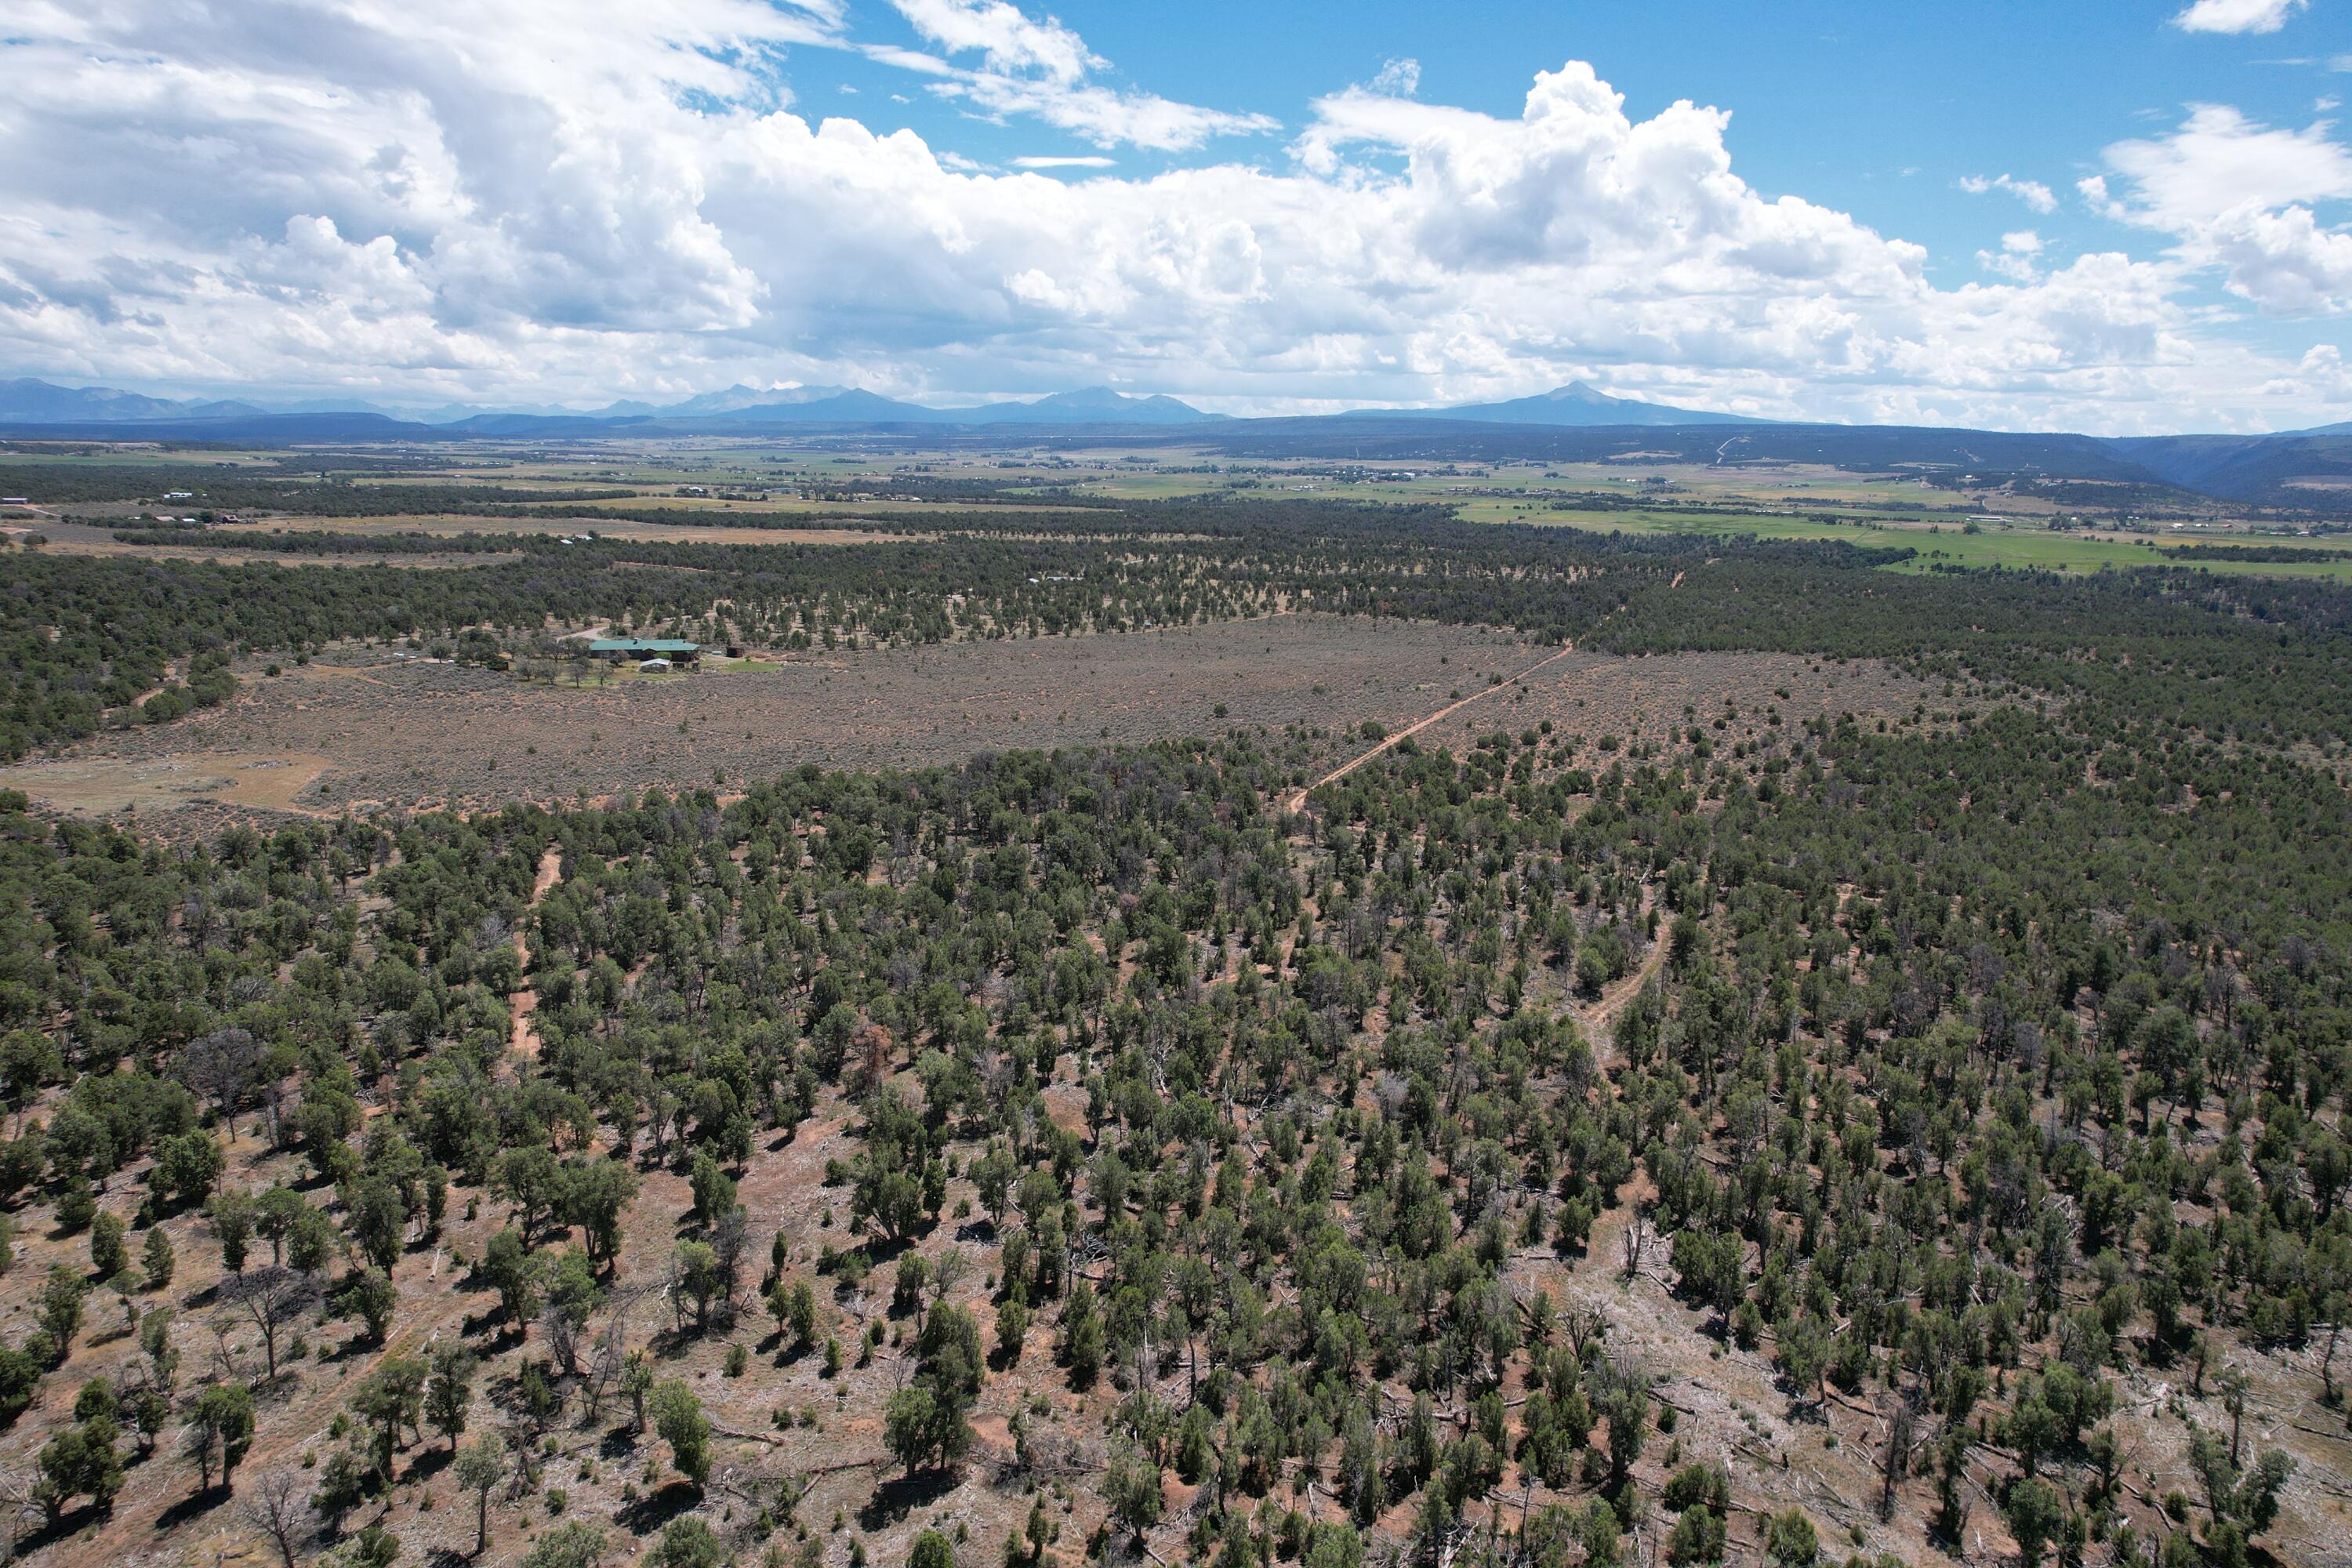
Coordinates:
x,y
644,648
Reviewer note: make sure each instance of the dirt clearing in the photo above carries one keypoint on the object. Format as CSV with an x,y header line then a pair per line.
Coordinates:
x,y
431,732
103,785
329,736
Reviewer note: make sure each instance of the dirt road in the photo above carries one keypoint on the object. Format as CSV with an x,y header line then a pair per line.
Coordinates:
x,y
525,1038
1296,800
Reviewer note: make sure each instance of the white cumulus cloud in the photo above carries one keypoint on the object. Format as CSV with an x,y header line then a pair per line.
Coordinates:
x,y
2237,16
2015,259
2243,198
2321,373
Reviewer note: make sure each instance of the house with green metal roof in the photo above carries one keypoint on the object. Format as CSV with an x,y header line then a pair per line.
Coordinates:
x,y
670,648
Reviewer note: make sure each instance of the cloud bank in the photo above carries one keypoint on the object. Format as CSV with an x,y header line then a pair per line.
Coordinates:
x,y
435,200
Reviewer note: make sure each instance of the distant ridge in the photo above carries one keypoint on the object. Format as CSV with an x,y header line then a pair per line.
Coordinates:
x,y
732,400
1577,405
841,405
838,405
30,402
1091,406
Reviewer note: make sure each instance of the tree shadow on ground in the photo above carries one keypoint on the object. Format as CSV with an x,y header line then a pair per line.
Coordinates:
x,y
190,1508
493,1322
894,1500
648,1514
66,1528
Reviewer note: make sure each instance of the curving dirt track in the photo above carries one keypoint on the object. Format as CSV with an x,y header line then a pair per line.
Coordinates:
x,y
1297,801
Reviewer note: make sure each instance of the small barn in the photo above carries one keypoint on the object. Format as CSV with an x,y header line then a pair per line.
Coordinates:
x,y
643,649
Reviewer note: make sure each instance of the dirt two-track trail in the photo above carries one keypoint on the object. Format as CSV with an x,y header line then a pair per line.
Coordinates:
x,y
524,1039
1296,802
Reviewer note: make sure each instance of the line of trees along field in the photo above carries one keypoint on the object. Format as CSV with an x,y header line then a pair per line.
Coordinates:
x,y
243,488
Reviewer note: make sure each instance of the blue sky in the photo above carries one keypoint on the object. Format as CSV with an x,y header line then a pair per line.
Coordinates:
x,y
2128,216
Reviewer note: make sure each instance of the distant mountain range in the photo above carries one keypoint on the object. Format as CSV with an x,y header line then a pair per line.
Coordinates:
x,y
1575,405
2306,469
849,405
40,402
30,402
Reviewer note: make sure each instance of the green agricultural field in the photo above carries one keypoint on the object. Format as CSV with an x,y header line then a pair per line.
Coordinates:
x,y
1938,542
